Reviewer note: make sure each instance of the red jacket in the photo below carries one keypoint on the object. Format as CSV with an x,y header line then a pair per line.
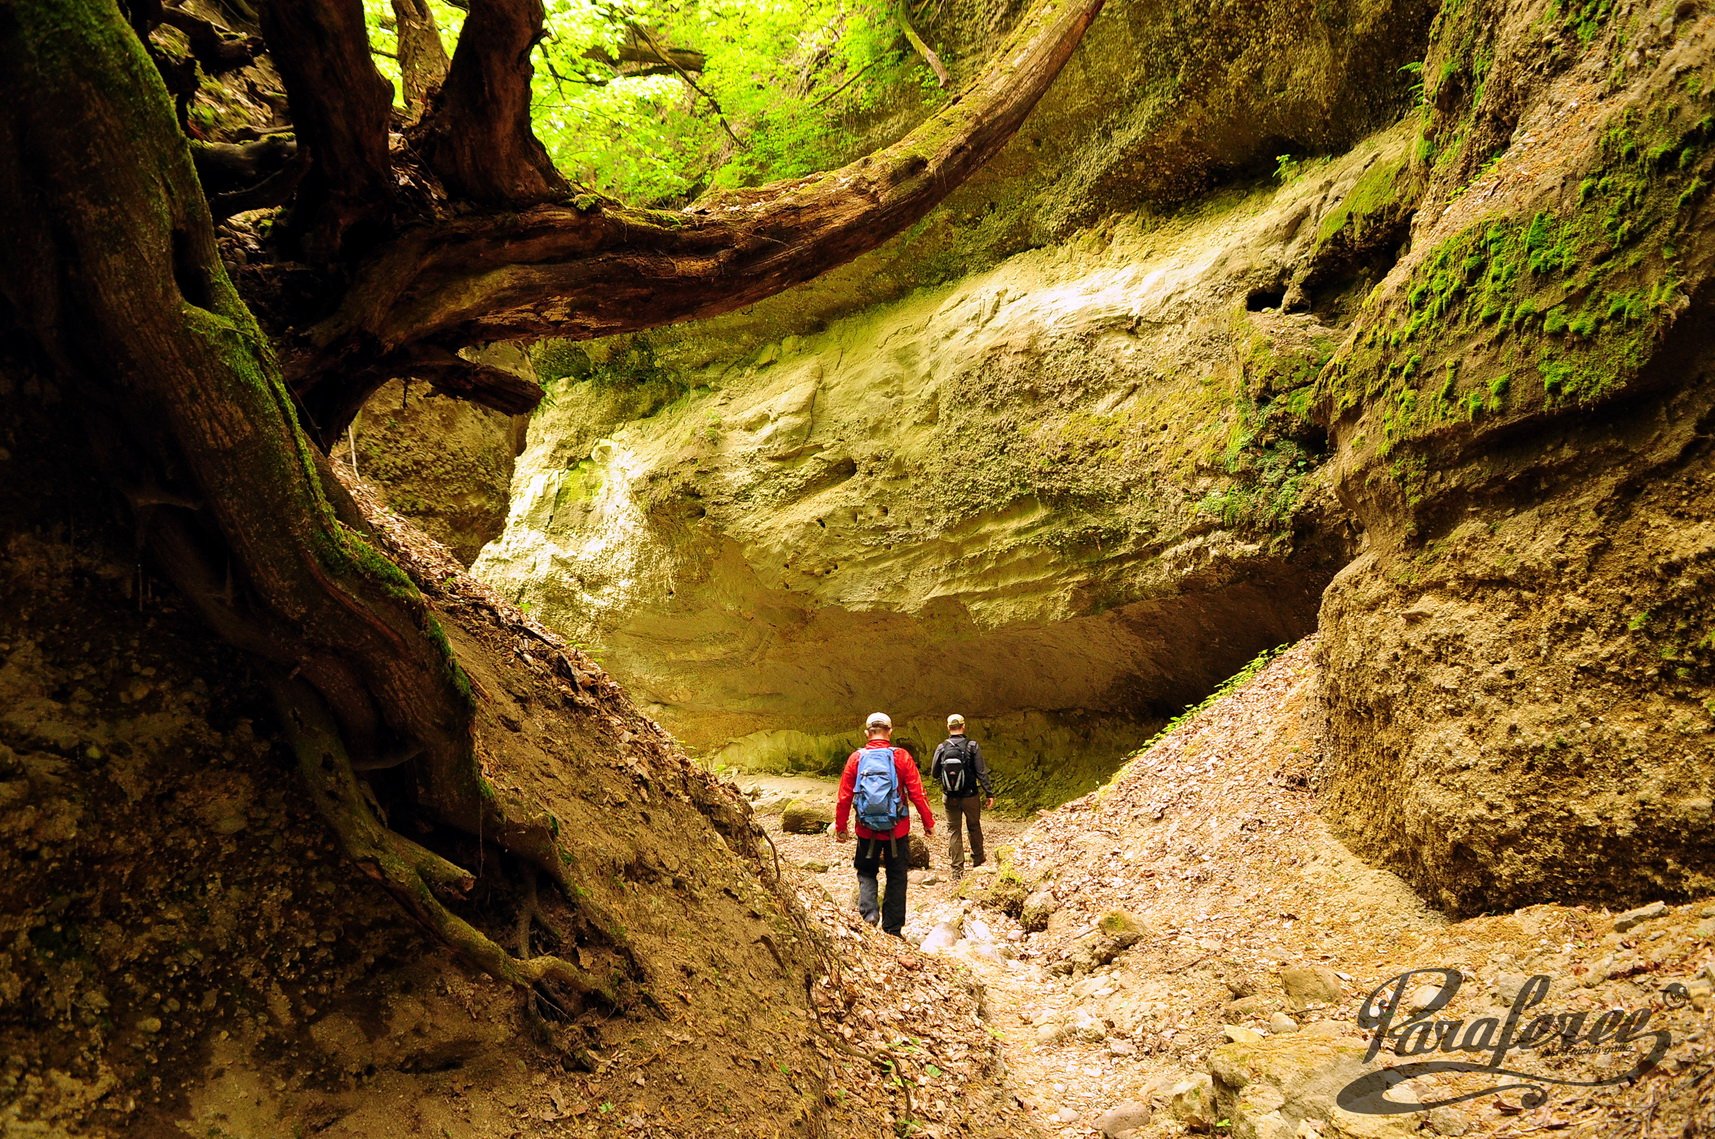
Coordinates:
x,y
908,779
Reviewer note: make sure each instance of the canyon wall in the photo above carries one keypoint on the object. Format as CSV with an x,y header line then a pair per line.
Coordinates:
x,y
1520,663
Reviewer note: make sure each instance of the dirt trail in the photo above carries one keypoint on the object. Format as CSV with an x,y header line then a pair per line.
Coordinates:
x,y
1245,920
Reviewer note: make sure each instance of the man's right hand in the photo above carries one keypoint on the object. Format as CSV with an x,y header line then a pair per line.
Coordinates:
x,y
842,836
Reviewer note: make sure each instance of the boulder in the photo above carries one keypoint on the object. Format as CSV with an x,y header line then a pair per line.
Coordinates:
x,y
1123,1118
1038,908
1316,984
804,818
1003,892
1087,1028
943,936
1258,1006
919,857
1192,1102
1240,981
1273,1087
1631,919
1115,932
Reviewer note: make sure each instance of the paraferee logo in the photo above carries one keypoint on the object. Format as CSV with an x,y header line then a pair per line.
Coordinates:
x,y
1506,1049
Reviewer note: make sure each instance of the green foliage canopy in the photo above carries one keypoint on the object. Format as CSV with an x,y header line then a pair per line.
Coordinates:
x,y
795,81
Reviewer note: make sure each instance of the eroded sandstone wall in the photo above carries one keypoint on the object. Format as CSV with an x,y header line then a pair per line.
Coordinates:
x,y
1521,666
1065,496
443,463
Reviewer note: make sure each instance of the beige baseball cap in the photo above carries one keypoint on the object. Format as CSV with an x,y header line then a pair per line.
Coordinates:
x,y
878,720
955,721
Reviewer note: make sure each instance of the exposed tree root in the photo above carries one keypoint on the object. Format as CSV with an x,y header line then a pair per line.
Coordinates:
x,y
415,875
533,836
885,1060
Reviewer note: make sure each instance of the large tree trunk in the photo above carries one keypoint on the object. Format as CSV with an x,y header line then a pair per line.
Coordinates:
x,y
477,136
109,259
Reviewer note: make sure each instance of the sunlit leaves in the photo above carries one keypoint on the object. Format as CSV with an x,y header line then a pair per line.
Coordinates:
x,y
790,78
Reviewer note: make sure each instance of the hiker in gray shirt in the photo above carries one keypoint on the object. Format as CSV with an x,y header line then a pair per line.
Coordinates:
x,y
964,778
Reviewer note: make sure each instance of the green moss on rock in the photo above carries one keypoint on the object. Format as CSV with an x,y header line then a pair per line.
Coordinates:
x,y
1578,294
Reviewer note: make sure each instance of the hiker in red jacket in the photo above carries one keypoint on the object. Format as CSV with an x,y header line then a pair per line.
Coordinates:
x,y
879,790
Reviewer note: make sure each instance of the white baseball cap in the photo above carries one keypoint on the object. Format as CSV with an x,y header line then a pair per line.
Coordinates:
x,y
878,720
955,721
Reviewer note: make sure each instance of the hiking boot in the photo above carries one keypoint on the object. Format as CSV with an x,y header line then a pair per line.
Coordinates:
x,y
958,873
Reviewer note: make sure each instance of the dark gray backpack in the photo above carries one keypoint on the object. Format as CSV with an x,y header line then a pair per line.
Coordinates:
x,y
958,771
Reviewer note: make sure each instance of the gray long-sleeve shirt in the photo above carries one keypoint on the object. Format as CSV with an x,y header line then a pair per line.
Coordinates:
x,y
974,755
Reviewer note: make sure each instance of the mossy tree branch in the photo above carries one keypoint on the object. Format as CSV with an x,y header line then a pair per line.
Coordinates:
x,y
422,56
909,31
594,267
641,48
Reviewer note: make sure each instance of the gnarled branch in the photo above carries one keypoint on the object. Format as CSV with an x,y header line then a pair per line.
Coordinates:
x,y
597,268
340,107
217,49
684,75
928,53
452,375
422,56
477,136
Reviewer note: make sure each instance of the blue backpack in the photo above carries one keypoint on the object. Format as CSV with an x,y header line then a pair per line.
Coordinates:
x,y
878,799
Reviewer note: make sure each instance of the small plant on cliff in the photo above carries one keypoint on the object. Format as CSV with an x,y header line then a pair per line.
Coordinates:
x,y
1415,70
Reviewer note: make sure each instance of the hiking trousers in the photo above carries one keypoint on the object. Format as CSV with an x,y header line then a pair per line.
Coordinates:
x,y
966,811
872,855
